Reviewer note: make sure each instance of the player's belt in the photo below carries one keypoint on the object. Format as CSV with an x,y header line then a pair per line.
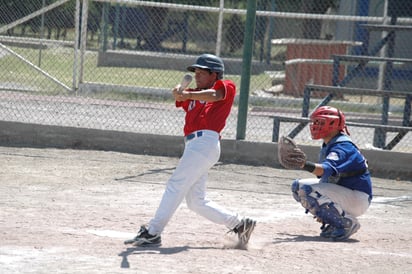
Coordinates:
x,y
193,135
353,173
336,179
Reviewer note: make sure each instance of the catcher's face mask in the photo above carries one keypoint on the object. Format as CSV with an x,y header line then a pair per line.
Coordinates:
x,y
317,128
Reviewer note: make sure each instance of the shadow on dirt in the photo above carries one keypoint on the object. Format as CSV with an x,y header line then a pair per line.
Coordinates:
x,y
290,238
154,250
148,172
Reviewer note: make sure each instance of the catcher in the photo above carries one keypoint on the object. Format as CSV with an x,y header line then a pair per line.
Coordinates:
x,y
343,188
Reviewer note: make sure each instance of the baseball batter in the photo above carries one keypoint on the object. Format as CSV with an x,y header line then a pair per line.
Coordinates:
x,y
207,108
343,190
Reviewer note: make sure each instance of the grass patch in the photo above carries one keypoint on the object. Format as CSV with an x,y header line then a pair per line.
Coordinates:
x,y
59,62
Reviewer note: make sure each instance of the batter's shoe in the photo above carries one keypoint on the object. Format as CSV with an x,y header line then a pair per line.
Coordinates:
x,y
244,230
143,238
341,234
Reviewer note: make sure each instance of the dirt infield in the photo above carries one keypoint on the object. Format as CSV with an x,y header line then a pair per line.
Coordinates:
x,y
69,211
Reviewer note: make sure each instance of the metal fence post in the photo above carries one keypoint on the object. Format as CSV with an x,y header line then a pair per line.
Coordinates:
x,y
247,62
83,37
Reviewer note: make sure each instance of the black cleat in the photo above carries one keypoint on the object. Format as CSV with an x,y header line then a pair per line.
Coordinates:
x,y
143,238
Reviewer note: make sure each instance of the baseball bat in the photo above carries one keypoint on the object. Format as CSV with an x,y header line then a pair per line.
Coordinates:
x,y
187,79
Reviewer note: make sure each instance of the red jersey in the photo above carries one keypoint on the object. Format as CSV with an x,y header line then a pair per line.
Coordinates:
x,y
209,115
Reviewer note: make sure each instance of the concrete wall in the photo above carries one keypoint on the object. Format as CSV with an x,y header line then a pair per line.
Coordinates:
x,y
384,164
155,60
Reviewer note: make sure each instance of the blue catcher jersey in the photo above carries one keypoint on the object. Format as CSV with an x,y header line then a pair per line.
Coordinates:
x,y
345,165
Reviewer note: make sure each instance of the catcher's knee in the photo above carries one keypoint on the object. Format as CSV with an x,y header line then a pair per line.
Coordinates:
x,y
300,191
295,188
309,199
305,195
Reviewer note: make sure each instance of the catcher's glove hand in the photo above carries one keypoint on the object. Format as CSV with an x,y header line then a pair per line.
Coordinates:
x,y
289,154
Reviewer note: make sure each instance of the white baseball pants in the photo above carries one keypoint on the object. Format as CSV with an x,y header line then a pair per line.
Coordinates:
x,y
352,202
189,181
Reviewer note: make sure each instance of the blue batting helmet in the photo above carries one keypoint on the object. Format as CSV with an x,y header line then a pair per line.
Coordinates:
x,y
210,62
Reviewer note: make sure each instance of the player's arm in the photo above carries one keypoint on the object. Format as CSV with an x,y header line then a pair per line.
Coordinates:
x,y
208,95
314,168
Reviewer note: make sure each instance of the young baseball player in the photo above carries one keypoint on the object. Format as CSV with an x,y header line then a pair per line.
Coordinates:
x,y
207,108
343,190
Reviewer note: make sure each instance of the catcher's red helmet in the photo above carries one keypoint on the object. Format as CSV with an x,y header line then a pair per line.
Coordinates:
x,y
326,119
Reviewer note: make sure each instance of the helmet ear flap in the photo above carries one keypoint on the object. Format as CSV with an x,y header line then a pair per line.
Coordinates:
x,y
342,122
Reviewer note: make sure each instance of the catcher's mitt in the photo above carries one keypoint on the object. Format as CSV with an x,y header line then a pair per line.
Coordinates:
x,y
289,154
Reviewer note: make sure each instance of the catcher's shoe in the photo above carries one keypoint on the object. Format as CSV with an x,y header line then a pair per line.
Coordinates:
x,y
341,234
143,238
244,230
327,231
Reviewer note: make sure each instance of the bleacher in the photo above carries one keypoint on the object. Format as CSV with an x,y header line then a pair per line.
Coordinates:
x,y
338,87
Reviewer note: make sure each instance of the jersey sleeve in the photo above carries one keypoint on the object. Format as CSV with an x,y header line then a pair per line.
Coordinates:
x,y
343,158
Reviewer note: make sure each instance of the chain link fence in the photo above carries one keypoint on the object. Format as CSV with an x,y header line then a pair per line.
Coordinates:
x,y
111,64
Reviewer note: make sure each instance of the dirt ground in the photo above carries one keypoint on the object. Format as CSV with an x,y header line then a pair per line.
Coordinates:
x,y
69,211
